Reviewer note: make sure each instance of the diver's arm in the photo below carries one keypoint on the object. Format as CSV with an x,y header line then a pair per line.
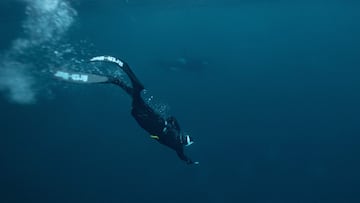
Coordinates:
x,y
183,157
172,120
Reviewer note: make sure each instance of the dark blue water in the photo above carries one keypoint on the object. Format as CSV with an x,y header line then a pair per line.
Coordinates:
x,y
275,112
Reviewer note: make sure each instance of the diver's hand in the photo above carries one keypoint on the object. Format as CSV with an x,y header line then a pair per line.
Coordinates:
x,y
192,162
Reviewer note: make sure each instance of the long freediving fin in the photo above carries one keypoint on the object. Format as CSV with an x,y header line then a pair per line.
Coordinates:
x,y
123,65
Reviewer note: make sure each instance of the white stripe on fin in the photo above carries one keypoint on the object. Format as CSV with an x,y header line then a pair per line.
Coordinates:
x,y
75,76
79,77
109,59
63,75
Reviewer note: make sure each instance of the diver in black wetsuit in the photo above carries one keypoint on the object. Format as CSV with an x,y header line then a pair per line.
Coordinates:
x,y
165,130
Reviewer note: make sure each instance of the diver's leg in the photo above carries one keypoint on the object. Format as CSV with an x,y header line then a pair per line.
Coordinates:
x,y
122,84
136,84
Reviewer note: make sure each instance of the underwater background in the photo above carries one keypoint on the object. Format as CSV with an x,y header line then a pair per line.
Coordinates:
x,y
268,89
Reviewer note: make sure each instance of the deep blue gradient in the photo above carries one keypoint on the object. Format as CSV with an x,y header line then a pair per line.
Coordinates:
x,y
275,114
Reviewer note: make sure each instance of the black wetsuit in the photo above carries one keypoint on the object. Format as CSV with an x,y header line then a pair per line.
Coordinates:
x,y
165,130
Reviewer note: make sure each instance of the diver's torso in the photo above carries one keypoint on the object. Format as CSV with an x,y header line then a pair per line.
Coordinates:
x,y
155,125
148,120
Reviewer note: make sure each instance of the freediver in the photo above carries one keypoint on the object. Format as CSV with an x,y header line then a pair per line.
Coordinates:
x,y
164,130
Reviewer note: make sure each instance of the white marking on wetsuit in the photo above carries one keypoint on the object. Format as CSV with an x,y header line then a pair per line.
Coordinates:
x,y
188,141
109,59
165,128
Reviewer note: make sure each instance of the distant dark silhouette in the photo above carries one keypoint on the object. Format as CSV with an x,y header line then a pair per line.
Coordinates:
x,y
192,64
